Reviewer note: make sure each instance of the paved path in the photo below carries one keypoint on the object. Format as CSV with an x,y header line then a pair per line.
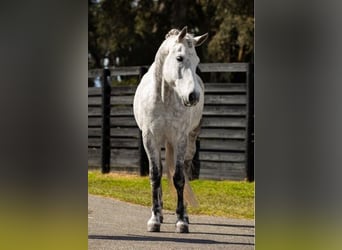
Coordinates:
x,y
114,224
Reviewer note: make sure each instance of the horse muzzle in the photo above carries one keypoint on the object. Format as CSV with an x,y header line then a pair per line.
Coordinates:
x,y
192,99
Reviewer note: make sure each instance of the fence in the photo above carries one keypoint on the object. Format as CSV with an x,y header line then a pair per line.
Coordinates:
x,y
226,143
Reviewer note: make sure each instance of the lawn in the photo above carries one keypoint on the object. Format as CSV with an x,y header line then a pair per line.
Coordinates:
x,y
234,199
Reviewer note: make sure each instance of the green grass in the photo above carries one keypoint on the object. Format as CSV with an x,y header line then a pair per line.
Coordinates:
x,y
234,199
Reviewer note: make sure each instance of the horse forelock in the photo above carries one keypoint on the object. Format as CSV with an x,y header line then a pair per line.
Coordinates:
x,y
173,32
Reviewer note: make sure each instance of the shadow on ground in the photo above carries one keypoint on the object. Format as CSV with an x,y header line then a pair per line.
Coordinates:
x,y
163,239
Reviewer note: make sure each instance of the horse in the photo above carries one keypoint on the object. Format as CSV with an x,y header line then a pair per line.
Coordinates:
x,y
168,106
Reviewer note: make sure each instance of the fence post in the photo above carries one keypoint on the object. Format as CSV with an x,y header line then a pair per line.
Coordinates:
x,y
250,123
106,91
144,169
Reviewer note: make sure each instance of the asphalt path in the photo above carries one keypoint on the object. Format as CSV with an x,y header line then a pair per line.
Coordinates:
x,y
114,224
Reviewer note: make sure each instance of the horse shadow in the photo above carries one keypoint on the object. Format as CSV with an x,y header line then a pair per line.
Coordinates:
x,y
224,225
215,225
194,240
150,238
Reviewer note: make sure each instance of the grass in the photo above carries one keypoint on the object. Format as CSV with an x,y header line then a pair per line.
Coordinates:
x,y
234,199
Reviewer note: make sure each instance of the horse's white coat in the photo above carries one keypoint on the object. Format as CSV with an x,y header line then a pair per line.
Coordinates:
x,y
160,107
168,104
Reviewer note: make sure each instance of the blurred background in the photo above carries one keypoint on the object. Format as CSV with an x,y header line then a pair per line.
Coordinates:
x,y
128,35
130,32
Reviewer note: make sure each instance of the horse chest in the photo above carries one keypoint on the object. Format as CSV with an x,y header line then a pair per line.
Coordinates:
x,y
169,122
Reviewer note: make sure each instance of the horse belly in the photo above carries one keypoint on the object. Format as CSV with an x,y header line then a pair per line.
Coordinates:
x,y
163,129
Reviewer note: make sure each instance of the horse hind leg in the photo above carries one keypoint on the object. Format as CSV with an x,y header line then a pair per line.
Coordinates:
x,y
190,153
175,173
189,169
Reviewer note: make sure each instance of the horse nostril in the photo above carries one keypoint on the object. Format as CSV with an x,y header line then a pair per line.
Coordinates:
x,y
192,97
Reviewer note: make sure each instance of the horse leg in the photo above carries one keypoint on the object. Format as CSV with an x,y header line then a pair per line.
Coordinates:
x,y
188,164
186,216
190,152
182,225
153,154
160,195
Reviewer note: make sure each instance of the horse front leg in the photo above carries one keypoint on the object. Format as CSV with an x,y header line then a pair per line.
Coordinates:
x,y
182,225
153,153
153,224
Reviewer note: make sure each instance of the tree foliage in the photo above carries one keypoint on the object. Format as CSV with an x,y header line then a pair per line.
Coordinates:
x,y
129,32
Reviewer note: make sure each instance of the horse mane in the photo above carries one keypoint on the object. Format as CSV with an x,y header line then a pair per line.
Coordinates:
x,y
161,55
159,62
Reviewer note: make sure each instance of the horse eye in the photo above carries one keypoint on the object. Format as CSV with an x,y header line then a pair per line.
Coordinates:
x,y
179,58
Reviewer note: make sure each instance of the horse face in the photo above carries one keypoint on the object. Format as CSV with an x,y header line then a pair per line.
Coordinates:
x,y
179,69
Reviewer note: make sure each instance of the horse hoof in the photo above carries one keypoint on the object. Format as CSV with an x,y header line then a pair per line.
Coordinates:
x,y
153,227
182,227
153,224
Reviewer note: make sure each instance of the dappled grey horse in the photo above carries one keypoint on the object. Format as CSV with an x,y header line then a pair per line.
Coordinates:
x,y
168,107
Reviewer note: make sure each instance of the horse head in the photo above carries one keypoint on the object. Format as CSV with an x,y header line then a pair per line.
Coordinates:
x,y
177,64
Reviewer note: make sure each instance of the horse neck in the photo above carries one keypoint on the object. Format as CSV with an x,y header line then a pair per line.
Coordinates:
x,y
167,93
163,91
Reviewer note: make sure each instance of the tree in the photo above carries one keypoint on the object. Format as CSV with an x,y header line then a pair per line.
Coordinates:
x,y
111,25
133,30
231,30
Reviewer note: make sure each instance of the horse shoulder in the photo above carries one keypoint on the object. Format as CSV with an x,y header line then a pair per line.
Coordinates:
x,y
143,105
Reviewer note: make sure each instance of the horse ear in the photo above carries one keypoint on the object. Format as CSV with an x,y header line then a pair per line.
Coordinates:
x,y
200,39
182,34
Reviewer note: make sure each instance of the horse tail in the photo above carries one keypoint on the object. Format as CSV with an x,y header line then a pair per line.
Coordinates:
x,y
189,195
169,162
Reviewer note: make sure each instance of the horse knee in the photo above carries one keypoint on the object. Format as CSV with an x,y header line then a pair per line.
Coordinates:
x,y
155,179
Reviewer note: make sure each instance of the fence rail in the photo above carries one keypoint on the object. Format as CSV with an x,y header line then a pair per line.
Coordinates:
x,y
225,144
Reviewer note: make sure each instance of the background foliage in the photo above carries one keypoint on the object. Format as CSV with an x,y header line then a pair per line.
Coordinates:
x,y
129,32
